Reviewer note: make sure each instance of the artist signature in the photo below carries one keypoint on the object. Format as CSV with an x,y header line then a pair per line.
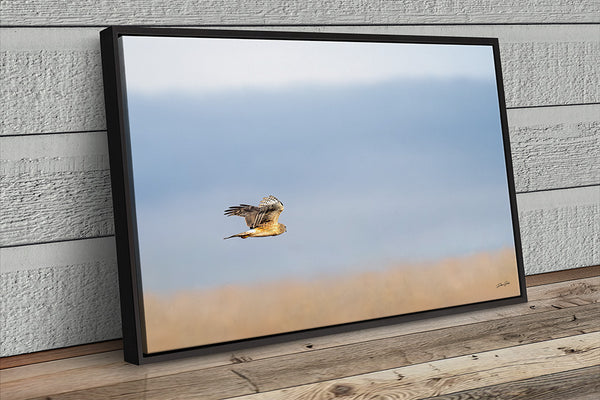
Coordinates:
x,y
505,283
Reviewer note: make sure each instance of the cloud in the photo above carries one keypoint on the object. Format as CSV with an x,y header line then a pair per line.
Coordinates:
x,y
159,64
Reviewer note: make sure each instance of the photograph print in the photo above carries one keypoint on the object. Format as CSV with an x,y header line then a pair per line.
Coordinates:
x,y
285,185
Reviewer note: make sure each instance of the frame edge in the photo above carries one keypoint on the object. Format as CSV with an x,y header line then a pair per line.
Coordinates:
x,y
113,100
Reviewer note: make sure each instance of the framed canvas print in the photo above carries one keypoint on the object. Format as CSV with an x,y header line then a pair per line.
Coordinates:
x,y
271,186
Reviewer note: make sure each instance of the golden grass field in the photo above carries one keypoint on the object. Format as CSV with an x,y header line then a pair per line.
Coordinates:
x,y
193,318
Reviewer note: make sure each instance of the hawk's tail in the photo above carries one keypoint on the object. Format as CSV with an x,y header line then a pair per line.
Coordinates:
x,y
242,235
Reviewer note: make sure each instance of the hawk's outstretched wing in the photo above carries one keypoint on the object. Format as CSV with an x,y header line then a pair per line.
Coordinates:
x,y
267,212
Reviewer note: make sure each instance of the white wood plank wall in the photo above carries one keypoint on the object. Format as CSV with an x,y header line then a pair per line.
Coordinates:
x,y
58,282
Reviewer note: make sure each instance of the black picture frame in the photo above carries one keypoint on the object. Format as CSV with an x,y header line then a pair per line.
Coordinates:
x,y
128,254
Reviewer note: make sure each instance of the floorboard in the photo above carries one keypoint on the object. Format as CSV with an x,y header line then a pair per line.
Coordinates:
x,y
456,376
577,384
562,276
58,354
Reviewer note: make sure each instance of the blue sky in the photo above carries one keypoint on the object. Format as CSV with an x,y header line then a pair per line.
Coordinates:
x,y
372,170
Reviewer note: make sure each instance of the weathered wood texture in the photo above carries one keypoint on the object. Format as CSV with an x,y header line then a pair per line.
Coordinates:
x,y
55,188
574,384
48,307
49,302
466,373
59,354
561,276
313,366
561,236
312,12
555,147
411,340
56,307
581,207
42,66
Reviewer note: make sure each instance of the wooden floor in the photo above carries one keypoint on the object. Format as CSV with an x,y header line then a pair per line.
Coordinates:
x,y
548,348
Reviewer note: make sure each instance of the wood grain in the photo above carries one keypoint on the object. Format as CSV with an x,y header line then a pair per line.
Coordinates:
x,y
466,373
417,348
56,206
109,369
62,180
58,294
562,276
59,354
51,307
562,236
575,384
52,91
555,147
52,76
341,361
312,12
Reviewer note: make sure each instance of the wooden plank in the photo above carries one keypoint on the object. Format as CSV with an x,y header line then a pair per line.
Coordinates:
x,y
537,364
549,297
52,77
312,12
341,361
80,203
557,235
562,276
555,147
57,295
62,180
59,254
50,308
52,90
582,383
59,354
581,196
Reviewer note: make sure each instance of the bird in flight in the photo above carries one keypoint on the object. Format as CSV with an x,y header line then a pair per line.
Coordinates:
x,y
262,220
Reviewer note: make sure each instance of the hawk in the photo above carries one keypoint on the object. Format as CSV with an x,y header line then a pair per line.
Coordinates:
x,y
261,220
